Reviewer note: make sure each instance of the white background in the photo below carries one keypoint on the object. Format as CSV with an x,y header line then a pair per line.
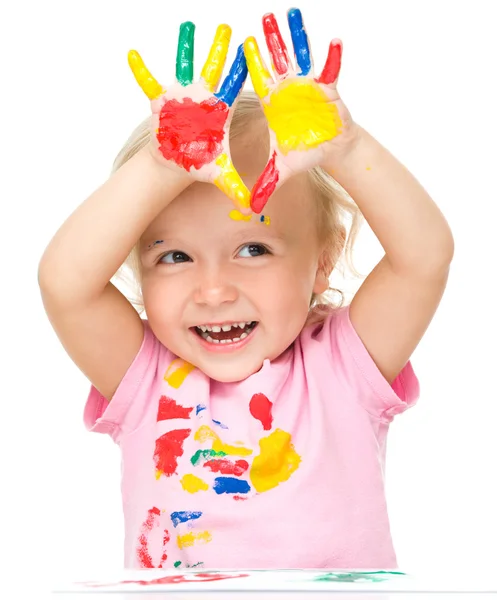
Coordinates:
x,y
420,76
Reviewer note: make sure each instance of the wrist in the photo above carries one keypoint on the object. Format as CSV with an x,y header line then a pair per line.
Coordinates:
x,y
345,149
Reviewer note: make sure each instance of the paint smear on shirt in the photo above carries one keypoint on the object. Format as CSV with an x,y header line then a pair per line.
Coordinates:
x,y
202,455
230,485
182,516
260,408
227,467
193,484
275,463
168,448
172,579
143,554
168,409
200,408
205,433
177,371
187,540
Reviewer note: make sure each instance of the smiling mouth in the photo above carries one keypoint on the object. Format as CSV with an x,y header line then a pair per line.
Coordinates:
x,y
225,334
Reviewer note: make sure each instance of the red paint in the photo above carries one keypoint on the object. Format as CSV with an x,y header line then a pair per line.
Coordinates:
x,y
333,63
260,408
142,550
226,467
240,498
194,578
191,134
265,185
168,448
275,44
168,409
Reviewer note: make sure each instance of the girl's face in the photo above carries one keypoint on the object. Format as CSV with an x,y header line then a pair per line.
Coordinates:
x,y
202,269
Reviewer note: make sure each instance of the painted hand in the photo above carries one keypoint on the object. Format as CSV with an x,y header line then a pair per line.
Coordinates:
x,y
306,117
190,120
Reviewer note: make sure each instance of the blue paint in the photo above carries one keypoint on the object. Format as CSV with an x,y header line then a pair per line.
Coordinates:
x,y
230,485
220,424
183,516
300,41
200,407
235,79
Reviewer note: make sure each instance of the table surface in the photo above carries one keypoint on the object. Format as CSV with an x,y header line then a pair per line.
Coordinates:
x,y
272,584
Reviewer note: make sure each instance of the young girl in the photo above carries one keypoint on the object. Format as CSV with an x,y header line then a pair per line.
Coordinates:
x,y
252,418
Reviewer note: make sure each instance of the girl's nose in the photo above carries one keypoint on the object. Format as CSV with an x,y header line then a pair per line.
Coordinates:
x,y
214,291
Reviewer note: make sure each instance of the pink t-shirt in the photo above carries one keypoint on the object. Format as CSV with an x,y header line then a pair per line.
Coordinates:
x,y
285,469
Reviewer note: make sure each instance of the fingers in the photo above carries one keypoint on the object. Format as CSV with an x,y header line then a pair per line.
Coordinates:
x,y
144,78
235,79
261,78
231,184
276,46
300,41
267,183
184,55
331,69
214,65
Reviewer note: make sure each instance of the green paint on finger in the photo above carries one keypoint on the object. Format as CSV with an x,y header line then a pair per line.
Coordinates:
x,y
184,55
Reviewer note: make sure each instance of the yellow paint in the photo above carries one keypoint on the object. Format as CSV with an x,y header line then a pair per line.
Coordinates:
x,y
158,473
236,215
261,78
267,220
214,65
205,433
188,539
177,371
145,79
301,115
275,463
231,184
368,168
193,484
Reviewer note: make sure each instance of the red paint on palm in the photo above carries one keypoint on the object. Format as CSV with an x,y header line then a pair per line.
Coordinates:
x,y
142,551
260,408
191,133
275,44
265,185
168,409
226,467
333,63
168,448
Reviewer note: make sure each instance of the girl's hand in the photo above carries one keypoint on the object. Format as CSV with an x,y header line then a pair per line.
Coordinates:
x,y
190,120
308,122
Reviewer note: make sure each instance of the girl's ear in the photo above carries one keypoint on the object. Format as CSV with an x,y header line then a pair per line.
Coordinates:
x,y
327,260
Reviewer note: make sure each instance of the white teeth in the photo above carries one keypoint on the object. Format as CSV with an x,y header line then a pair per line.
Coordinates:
x,y
216,341
209,339
216,328
236,339
243,336
241,324
226,327
203,328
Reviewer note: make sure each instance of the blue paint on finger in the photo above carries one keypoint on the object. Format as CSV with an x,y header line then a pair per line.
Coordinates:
x,y
235,79
300,41
182,516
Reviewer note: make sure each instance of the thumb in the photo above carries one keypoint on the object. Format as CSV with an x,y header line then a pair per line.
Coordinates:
x,y
269,181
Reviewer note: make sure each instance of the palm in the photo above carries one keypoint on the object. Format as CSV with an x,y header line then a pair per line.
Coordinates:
x,y
189,129
305,114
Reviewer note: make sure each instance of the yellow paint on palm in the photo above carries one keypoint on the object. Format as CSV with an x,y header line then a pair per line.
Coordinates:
x,y
188,539
261,77
275,463
177,371
192,483
230,183
205,433
301,116
214,65
144,78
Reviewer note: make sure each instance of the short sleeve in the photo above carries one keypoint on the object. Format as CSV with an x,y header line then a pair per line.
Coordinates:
x,y
125,411
378,397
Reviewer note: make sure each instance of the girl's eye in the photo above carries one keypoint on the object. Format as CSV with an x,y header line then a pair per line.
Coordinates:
x,y
252,250
174,257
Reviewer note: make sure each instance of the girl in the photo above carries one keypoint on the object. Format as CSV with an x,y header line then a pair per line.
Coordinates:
x,y
251,416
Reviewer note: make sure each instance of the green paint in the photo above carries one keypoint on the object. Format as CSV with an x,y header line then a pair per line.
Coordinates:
x,y
205,455
353,576
177,563
184,56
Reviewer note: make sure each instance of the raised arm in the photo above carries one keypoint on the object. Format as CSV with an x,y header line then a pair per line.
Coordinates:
x,y
96,324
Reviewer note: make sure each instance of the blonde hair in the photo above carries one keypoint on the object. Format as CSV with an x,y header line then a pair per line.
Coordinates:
x,y
336,211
